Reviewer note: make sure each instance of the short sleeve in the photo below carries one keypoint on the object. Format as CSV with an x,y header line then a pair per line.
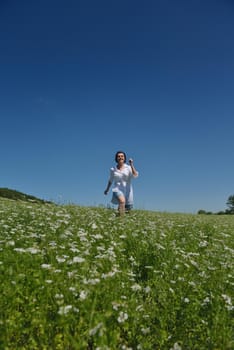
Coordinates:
x,y
111,178
130,170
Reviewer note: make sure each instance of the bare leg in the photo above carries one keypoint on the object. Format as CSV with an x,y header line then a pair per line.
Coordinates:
x,y
121,206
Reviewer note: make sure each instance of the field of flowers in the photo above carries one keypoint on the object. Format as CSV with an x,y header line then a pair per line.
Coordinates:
x,y
82,278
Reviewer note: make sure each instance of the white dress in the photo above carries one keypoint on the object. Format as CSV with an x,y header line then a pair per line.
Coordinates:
x,y
121,180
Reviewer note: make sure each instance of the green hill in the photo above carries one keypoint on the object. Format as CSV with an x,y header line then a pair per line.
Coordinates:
x,y
16,195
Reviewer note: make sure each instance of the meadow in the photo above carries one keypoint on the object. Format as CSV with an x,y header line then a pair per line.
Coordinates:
x,y
81,278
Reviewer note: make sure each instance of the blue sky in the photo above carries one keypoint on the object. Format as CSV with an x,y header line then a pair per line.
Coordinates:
x,y
80,80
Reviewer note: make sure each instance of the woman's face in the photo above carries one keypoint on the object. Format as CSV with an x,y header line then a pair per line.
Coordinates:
x,y
120,158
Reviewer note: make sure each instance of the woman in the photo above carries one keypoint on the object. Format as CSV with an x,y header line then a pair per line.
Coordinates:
x,y
121,176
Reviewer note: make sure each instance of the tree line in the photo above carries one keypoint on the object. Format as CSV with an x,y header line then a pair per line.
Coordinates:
x,y
17,195
228,211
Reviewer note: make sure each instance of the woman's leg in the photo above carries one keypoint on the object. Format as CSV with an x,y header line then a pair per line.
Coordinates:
x,y
121,205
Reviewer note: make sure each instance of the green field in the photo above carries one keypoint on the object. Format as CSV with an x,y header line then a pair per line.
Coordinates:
x,y
82,278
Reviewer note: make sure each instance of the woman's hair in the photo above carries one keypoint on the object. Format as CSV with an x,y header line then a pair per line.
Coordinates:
x,y
116,155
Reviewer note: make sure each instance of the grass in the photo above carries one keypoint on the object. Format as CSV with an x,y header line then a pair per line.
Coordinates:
x,y
81,278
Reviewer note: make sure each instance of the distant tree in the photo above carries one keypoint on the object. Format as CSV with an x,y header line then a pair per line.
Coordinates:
x,y
201,212
230,204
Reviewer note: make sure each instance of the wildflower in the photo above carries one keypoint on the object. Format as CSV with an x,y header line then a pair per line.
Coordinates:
x,y
176,346
58,296
206,301
139,308
71,274
83,295
67,232
77,259
33,250
135,287
192,284
194,263
96,329
64,310
10,244
147,289
203,244
123,316
108,274
149,267
159,246
46,266
228,302
20,250
145,330
97,236
52,244
60,259
92,281
181,279
74,250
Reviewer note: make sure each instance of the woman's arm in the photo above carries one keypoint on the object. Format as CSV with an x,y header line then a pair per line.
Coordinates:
x,y
108,187
134,171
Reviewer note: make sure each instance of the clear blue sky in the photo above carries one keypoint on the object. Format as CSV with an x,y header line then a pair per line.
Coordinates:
x,y
80,80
